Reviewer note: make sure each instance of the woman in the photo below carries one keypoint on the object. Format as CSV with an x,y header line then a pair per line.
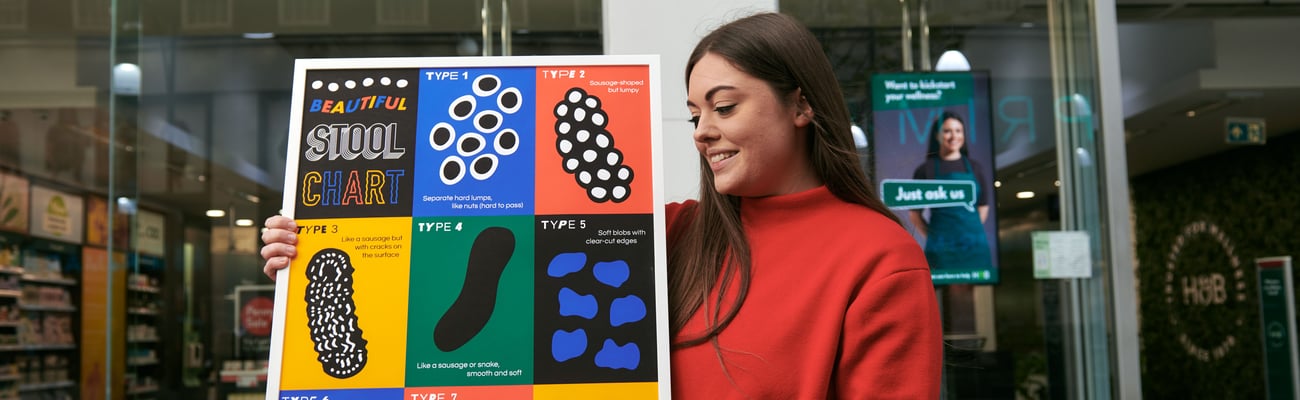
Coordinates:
x,y
788,279
954,236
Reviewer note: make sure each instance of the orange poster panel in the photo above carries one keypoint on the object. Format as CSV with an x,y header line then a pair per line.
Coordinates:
x,y
593,140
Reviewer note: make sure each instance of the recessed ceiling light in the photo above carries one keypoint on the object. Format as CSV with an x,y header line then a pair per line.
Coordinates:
x,y
214,213
1025,195
244,222
997,183
1057,183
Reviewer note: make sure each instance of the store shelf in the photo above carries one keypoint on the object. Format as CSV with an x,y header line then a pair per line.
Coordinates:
x,y
141,390
14,293
49,280
37,347
43,307
141,363
10,377
145,340
46,386
9,269
10,324
141,311
144,289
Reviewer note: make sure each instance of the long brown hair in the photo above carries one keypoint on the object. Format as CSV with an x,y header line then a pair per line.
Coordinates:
x,y
711,247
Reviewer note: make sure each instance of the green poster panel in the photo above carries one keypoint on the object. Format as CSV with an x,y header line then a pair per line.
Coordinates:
x,y
1277,327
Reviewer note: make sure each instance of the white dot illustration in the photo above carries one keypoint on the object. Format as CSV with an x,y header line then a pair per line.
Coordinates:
x,y
350,84
562,110
317,84
579,114
506,142
584,177
570,164
592,102
333,87
582,136
565,146
624,173
442,136
619,192
602,174
598,192
401,83
613,158
367,82
563,128
385,81
575,96
598,118
602,140
589,155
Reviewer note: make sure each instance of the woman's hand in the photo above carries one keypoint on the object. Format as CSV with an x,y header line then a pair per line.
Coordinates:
x,y
281,239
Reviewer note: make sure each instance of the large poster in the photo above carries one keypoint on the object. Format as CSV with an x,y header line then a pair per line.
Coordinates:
x,y
474,228
933,156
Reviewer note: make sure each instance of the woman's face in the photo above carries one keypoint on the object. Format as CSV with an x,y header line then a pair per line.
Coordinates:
x,y
754,141
952,136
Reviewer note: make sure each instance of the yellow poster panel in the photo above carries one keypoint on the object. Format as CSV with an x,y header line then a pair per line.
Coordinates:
x,y
597,391
345,318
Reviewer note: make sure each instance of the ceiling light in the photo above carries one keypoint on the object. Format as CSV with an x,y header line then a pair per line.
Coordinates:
x,y
244,222
952,60
1025,195
997,183
1057,183
214,213
259,35
1191,113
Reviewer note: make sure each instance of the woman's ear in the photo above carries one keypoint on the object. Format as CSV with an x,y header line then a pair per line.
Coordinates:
x,y
803,111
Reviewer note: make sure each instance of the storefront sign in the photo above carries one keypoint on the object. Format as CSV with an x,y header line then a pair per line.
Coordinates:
x,y
1059,255
1192,289
150,233
1278,328
57,215
473,228
13,203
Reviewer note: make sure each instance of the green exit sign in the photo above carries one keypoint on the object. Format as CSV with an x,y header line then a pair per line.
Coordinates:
x,y
1244,130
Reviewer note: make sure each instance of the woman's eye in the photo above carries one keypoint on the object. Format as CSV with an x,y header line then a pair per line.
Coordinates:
x,y
724,110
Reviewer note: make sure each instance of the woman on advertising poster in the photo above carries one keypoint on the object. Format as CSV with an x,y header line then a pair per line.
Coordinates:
x,y
954,236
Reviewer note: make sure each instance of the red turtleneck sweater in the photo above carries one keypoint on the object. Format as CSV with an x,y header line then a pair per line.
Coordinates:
x,y
841,306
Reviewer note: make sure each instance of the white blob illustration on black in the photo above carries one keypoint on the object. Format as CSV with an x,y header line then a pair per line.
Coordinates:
x,y
587,148
331,314
479,151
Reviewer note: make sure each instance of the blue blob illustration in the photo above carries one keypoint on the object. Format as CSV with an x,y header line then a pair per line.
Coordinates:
x,y
567,345
613,356
573,304
626,310
566,263
612,273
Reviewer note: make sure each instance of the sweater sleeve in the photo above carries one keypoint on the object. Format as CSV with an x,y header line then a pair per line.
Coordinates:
x,y
893,340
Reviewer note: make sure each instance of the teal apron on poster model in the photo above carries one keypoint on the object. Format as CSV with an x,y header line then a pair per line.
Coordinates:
x,y
955,236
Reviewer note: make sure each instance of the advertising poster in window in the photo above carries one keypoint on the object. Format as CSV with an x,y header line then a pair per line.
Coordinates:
x,y
474,228
932,149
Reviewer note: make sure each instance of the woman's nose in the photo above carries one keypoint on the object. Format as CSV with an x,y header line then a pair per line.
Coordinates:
x,y
704,131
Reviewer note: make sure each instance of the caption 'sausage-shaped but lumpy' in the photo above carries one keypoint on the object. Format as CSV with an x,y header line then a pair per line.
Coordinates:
x,y
331,314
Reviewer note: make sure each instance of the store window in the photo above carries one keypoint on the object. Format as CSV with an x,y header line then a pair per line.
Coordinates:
x,y
139,156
